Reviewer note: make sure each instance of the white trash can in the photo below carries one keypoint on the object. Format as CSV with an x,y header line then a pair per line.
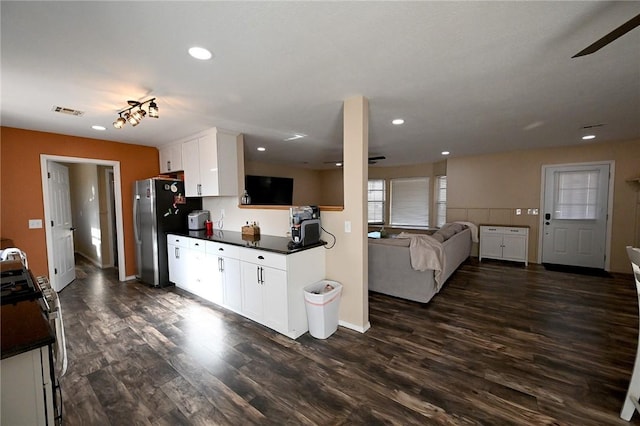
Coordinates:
x,y
322,300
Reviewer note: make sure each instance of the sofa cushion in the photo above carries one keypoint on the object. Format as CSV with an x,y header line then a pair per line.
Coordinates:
x,y
438,237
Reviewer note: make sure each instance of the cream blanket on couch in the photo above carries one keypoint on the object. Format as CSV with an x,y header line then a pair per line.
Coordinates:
x,y
426,253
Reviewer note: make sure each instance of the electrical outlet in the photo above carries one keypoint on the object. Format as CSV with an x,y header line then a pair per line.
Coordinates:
x,y
535,212
518,212
347,226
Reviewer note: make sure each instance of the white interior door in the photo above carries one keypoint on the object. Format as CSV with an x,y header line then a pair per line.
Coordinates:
x,y
575,215
61,225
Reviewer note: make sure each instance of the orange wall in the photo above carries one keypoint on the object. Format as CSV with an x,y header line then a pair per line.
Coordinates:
x,y
21,184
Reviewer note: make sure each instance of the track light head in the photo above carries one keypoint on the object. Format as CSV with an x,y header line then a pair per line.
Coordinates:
x,y
135,113
120,122
153,109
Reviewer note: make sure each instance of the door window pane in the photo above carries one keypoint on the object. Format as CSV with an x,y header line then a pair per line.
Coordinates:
x,y
576,195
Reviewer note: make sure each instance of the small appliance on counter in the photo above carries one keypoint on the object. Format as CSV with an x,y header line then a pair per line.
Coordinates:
x,y
197,220
305,225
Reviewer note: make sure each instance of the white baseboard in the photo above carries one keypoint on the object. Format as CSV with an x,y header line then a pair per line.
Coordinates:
x,y
355,327
94,261
129,278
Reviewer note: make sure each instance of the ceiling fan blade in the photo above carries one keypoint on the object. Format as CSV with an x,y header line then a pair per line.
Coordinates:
x,y
372,160
613,35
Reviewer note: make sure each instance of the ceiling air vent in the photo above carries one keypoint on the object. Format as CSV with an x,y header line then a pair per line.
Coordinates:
x,y
68,111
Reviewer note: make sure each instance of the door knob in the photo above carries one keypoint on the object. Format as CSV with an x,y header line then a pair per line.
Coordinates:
x,y
73,228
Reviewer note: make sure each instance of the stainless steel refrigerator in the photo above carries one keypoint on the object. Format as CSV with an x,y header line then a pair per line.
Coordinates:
x,y
159,207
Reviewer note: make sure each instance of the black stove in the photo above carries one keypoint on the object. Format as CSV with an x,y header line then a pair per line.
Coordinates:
x,y
17,284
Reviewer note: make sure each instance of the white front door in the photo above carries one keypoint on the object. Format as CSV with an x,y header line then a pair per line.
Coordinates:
x,y
61,226
575,215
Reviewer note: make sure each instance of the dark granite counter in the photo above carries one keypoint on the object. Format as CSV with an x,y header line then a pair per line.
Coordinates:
x,y
263,242
24,328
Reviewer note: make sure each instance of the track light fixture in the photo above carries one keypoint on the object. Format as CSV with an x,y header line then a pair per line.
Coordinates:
x,y
134,114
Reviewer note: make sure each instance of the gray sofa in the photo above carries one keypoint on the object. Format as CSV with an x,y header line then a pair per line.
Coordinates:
x,y
390,270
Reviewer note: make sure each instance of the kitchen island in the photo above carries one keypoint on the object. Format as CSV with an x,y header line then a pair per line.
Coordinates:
x,y
260,278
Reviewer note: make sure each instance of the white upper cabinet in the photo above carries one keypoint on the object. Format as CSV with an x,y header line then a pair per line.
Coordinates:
x,y
170,158
210,163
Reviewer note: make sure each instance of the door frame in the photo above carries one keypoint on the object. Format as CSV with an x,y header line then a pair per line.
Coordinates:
x,y
612,170
46,198
110,198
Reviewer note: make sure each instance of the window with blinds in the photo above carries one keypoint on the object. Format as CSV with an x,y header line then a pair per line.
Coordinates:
x,y
577,195
441,201
376,200
410,202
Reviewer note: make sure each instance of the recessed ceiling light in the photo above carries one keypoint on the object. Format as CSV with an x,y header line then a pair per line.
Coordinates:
x,y
587,137
98,128
445,153
397,121
200,53
262,148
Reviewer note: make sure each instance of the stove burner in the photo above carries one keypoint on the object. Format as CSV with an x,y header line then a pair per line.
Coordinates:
x,y
17,285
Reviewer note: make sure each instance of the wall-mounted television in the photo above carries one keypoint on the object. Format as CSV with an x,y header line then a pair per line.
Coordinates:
x,y
269,190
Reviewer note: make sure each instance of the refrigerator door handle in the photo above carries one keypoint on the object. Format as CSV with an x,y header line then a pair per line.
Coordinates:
x,y
136,225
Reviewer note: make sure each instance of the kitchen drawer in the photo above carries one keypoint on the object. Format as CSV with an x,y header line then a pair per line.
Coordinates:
x,y
492,229
176,240
263,258
220,249
196,244
516,231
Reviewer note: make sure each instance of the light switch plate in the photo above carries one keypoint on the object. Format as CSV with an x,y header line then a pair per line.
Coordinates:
x,y
347,226
518,212
35,223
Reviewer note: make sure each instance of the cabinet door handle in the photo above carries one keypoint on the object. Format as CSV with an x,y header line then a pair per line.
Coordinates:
x,y
199,189
221,249
169,165
221,262
261,257
258,274
262,275
177,252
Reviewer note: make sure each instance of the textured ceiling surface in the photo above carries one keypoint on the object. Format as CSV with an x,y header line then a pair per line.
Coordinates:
x,y
467,77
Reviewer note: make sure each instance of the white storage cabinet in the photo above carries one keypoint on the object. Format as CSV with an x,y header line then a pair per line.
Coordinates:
x,y
27,397
210,162
170,158
224,262
177,252
504,242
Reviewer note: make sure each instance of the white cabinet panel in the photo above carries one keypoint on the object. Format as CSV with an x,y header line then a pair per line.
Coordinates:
x,y
504,242
210,162
170,158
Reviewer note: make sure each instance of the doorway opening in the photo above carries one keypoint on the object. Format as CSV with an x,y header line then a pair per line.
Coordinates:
x,y
105,237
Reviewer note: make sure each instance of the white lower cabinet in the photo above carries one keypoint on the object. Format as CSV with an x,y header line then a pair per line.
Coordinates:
x,y
177,248
504,242
263,286
27,397
264,295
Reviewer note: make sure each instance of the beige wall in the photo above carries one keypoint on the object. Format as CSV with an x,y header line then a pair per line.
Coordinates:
x,y
331,187
488,189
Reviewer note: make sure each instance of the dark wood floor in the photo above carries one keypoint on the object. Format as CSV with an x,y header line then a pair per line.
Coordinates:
x,y
500,344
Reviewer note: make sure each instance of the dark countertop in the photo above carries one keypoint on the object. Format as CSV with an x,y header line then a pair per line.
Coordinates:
x,y
265,242
24,328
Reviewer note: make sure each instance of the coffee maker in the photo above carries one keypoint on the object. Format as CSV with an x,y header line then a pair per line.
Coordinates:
x,y
305,225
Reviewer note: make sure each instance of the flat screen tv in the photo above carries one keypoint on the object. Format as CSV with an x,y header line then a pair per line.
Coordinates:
x,y
269,190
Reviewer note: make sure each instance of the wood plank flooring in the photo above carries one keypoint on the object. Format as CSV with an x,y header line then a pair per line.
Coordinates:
x,y
501,344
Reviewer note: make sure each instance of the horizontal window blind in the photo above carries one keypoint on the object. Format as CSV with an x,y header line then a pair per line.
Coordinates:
x,y
441,201
376,201
577,194
410,202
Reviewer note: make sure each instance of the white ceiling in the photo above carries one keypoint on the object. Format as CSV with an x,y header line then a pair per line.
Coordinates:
x,y
467,77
